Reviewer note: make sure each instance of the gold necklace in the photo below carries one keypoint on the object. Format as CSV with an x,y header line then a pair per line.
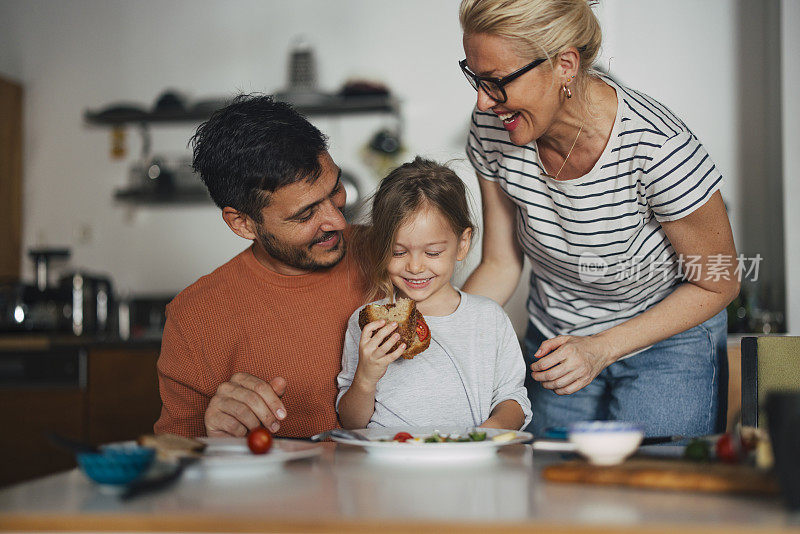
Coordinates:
x,y
570,152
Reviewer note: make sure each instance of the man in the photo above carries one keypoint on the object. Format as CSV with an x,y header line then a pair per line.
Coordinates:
x,y
258,342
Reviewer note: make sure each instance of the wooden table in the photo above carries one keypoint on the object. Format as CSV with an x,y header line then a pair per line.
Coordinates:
x,y
344,490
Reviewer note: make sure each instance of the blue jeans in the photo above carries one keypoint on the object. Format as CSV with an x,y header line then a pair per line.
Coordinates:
x,y
676,387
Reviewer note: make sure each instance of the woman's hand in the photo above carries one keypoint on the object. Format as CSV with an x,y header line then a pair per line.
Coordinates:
x,y
374,356
569,363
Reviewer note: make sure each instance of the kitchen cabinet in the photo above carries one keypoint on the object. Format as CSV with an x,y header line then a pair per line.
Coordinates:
x,y
28,415
10,178
122,396
95,392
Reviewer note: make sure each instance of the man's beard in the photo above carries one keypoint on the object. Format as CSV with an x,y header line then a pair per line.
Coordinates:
x,y
301,257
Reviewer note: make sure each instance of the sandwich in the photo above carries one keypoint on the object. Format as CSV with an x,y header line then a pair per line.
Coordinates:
x,y
413,330
171,446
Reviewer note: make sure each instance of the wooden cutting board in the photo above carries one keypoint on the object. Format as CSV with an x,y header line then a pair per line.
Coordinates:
x,y
668,474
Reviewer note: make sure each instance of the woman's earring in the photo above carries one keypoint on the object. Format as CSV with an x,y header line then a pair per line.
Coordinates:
x,y
566,90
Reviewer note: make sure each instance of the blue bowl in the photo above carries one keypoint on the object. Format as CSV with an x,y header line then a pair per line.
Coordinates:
x,y
117,464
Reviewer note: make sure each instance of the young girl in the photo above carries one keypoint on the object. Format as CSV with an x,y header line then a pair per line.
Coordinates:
x,y
472,373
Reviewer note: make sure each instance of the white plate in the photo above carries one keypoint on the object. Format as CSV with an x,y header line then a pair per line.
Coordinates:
x,y
433,452
231,457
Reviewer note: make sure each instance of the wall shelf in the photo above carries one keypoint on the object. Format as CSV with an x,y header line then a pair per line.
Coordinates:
x,y
186,195
309,104
318,104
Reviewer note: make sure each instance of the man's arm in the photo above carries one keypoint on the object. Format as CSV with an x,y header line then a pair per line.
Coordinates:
x,y
182,401
241,404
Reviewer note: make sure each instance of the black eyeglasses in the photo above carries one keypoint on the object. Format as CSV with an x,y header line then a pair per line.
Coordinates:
x,y
495,87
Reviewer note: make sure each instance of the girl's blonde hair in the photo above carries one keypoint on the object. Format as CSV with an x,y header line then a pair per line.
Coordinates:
x,y
403,192
539,29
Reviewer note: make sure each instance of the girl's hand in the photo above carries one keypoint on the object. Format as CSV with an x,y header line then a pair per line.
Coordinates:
x,y
377,338
568,363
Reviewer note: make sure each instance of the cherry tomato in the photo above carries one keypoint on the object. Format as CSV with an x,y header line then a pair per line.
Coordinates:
x,y
259,440
402,437
422,331
727,450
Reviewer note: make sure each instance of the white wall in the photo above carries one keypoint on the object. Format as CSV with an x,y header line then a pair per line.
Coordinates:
x,y
87,53
676,54
84,54
790,37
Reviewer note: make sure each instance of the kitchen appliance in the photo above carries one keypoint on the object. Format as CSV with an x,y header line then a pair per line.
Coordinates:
x,y
78,302
302,76
142,316
302,67
92,302
164,175
355,198
40,307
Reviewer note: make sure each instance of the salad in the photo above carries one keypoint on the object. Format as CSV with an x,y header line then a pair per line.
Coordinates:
x,y
436,437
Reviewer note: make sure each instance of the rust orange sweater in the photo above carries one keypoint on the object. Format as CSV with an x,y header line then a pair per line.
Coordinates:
x,y
245,317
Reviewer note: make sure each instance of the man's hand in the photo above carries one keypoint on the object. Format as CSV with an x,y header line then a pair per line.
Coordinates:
x,y
244,403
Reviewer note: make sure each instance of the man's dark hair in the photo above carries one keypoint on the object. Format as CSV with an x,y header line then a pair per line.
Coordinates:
x,y
253,147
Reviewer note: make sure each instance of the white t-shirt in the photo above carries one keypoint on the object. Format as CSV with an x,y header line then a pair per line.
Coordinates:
x,y
598,253
474,362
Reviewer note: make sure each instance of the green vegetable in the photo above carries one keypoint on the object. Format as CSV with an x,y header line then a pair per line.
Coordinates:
x,y
434,438
438,438
698,450
477,436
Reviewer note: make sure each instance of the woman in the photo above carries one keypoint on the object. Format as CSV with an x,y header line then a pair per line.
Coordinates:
x,y
617,206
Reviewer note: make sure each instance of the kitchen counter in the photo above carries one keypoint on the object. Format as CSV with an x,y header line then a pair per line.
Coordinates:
x,y
46,341
345,490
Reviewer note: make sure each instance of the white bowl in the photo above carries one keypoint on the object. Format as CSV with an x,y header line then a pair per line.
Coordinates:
x,y
606,442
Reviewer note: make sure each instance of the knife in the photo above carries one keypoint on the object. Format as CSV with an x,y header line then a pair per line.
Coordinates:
x,y
73,445
147,485
338,433
656,440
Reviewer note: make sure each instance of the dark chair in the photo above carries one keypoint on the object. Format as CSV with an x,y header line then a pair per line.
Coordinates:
x,y
769,363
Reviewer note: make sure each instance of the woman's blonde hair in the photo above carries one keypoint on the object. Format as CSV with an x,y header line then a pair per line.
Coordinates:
x,y
407,189
539,29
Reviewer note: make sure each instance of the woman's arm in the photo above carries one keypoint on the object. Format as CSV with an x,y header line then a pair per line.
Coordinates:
x,y
507,414
568,363
500,268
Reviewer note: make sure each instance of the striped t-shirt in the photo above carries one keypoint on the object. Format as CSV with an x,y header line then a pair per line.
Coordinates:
x,y
598,253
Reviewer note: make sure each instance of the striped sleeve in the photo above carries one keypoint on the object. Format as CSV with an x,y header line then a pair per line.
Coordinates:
x,y
477,151
681,177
